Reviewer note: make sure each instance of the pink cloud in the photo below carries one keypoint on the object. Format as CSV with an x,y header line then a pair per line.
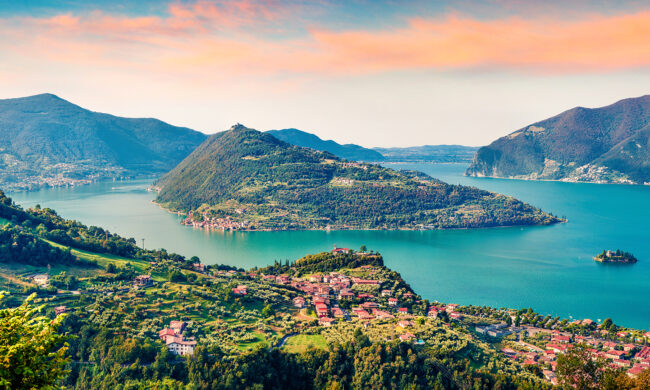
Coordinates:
x,y
204,38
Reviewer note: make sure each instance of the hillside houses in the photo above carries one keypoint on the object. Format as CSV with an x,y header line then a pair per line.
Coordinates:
x,y
174,339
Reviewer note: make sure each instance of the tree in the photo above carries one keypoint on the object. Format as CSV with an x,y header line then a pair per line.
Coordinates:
x,y
363,248
268,311
578,369
33,353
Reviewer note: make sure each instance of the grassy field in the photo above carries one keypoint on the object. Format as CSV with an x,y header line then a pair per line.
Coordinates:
x,y
302,342
103,259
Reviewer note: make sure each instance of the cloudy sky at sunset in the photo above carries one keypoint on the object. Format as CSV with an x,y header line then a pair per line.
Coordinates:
x,y
377,73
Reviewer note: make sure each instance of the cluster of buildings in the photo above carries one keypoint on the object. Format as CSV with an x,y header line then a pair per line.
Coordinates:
x,y
174,339
226,223
634,358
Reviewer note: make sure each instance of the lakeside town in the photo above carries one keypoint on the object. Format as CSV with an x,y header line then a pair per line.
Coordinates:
x,y
371,297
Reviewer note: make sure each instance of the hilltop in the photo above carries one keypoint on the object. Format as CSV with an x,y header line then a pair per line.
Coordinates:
x,y
606,145
46,140
246,179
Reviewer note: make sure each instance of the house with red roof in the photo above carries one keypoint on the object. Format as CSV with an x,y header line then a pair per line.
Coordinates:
x,y
340,251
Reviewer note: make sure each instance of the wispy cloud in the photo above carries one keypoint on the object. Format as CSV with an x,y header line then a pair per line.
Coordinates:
x,y
239,38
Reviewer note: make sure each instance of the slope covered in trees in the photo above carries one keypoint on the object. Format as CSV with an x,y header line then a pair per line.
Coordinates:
x,y
251,180
45,140
609,144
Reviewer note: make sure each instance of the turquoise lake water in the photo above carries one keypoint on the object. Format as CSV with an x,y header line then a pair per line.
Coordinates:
x,y
547,268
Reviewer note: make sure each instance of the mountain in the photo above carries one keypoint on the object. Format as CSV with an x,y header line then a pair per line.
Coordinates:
x,y
429,153
45,140
245,179
308,140
607,145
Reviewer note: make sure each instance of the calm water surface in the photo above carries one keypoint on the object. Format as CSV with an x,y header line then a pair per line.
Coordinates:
x,y
547,268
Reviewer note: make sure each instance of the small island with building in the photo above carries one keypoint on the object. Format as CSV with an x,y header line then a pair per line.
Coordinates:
x,y
617,256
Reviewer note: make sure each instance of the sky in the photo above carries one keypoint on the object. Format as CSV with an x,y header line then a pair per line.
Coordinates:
x,y
370,72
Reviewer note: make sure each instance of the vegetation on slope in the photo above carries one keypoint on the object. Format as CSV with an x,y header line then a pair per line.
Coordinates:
x,y
252,180
607,144
45,140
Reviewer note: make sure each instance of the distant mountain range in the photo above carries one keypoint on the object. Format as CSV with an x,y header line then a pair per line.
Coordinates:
x,y
308,140
246,179
45,140
606,145
427,153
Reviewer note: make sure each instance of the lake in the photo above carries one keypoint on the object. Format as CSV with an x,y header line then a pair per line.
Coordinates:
x,y
547,268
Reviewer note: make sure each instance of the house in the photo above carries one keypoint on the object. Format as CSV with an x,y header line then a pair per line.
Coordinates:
x,y
178,326
340,251
180,346
392,301
628,347
337,312
405,324
166,333
239,291
321,309
635,371
315,278
509,352
456,316
142,280
562,339
60,310
644,353
433,313
299,302
386,293
198,267
614,354
363,315
382,315
346,294
451,307
326,321
403,310
550,376
41,279
365,281
369,305
407,336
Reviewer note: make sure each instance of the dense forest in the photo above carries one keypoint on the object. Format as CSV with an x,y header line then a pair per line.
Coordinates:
x,y
261,182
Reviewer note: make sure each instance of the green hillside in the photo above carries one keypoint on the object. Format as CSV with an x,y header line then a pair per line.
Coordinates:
x,y
242,178
609,144
48,141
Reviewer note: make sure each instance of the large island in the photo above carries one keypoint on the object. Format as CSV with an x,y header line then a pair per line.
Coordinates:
x,y
248,180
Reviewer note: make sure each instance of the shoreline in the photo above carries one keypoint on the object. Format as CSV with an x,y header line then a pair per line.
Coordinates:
x,y
180,213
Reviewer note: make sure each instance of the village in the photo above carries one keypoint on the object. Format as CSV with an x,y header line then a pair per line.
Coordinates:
x,y
327,305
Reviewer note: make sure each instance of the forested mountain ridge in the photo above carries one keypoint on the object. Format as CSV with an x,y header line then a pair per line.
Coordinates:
x,y
308,140
608,144
245,179
45,140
